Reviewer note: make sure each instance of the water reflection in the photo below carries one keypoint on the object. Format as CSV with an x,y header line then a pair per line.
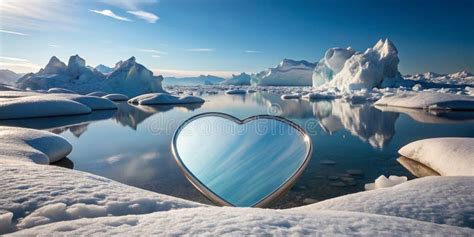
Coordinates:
x,y
241,165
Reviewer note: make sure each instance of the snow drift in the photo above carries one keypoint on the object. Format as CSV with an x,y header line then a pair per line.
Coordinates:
x,y
287,73
128,77
347,69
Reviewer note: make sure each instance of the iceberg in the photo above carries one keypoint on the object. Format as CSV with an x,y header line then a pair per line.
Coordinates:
x,y
128,77
428,101
242,79
288,73
348,70
164,99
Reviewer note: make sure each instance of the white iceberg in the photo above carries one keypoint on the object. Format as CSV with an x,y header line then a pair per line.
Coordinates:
x,y
242,79
428,100
348,70
287,73
449,156
128,77
164,99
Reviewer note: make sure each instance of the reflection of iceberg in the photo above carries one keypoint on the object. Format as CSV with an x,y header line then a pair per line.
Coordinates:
x,y
132,115
284,108
432,116
416,168
369,124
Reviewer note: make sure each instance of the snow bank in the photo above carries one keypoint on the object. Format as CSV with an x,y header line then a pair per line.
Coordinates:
x,y
428,100
40,106
164,99
384,182
287,73
347,69
116,97
447,156
442,200
245,221
32,145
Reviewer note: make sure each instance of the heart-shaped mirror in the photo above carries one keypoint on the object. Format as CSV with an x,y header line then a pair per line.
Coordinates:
x,y
244,163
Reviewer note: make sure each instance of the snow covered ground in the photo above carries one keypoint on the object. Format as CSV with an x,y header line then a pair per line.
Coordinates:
x,y
453,156
49,200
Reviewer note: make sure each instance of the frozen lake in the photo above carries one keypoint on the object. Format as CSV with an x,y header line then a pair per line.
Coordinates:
x,y
353,143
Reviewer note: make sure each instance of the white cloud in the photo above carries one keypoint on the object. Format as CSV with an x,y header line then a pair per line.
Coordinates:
x,y
147,16
54,46
12,32
155,56
20,67
13,59
154,51
129,4
110,13
252,51
201,50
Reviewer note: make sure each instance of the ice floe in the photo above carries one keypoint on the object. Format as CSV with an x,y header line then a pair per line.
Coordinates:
x,y
449,156
428,100
116,97
164,99
384,182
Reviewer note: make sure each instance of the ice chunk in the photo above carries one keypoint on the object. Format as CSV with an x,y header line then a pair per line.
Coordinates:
x,y
236,92
98,93
428,100
449,156
287,73
163,98
116,97
61,91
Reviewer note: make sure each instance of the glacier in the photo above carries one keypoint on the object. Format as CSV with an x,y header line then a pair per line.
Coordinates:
x,y
346,69
288,73
128,77
242,79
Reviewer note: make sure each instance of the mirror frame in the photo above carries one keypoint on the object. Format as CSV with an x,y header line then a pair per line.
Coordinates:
x,y
270,198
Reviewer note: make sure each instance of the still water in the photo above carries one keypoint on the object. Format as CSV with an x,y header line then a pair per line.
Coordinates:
x,y
353,144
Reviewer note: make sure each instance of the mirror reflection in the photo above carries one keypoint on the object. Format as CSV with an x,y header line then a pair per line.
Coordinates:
x,y
242,164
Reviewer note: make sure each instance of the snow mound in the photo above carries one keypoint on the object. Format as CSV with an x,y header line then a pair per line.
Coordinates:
x,y
384,182
40,106
32,145
128,77
242,79
247,222
116,97
287,73
442,200
447,156
428,100
235,92
61,91
164,99
347,69
51,194
98,93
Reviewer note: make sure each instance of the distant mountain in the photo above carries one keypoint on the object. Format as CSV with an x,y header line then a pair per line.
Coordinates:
x,y
288,73
128,77
8,77
457,78
104,69
238,80
192,81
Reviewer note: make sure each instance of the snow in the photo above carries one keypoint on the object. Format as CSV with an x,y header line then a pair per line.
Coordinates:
x,y
93,102
235,92
384,182
238,80
348,70
287,73
428,100
32,145
442,200
61,91
40,106
225,221
116,97
128,77
448,156
164,99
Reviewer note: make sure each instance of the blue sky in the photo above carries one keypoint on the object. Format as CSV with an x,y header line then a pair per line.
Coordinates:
x,y
191,37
